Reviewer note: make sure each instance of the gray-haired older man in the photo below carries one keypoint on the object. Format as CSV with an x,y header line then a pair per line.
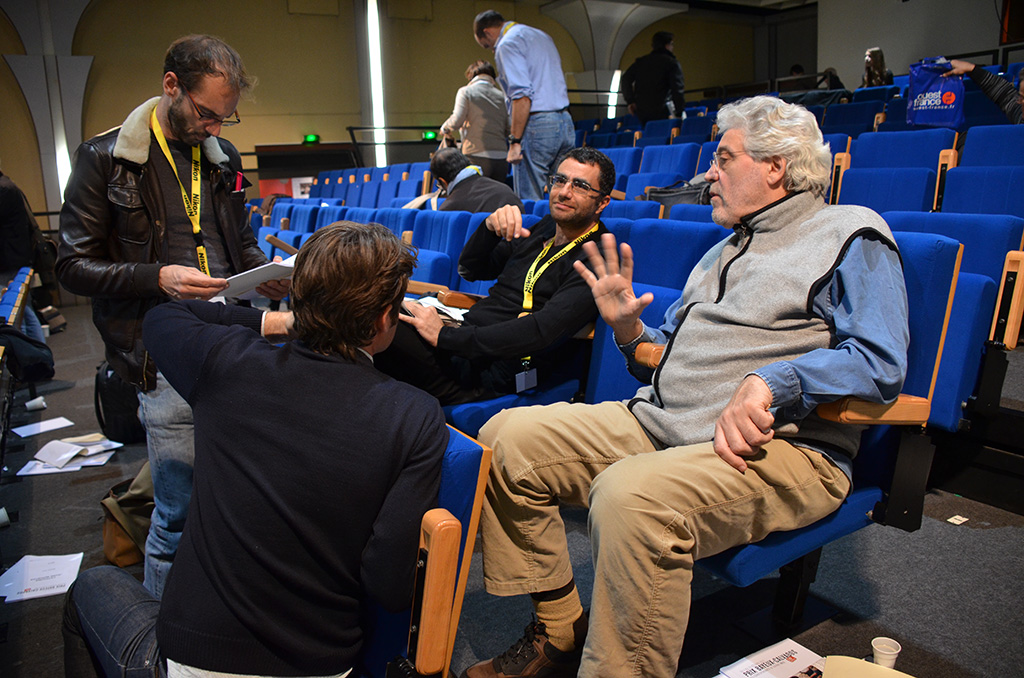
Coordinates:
x,y
802,304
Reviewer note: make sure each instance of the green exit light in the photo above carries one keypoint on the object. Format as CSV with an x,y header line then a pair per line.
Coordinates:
x,y
311,139
429,136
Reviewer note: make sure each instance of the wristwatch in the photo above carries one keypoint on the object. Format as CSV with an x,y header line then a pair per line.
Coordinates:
x,y
514,140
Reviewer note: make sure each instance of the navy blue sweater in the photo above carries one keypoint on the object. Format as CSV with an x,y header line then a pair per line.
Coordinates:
x,y
311,475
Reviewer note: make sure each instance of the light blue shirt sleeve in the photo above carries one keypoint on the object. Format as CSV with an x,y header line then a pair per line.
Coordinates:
x,y
529,66
866,304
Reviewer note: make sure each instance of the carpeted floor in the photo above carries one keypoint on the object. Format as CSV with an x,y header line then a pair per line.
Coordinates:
x,y
952,595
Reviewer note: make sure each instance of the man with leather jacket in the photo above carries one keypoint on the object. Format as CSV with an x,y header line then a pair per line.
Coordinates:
x,y
154,210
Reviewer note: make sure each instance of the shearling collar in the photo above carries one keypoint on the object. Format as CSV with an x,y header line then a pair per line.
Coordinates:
x,y
133,138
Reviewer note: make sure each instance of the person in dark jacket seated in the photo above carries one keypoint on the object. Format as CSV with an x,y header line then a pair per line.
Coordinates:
x,y
464,186
517,336
313,470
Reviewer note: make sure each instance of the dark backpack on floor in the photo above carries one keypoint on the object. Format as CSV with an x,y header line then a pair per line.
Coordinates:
x,y
117,407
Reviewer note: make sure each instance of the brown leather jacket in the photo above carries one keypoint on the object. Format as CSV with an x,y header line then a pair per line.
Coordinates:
x,y
112,239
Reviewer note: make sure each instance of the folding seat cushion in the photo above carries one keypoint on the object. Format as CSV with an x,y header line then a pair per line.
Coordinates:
x,y
889,188
632,209
661,127
677,159
690,213
852,119
368,195
980,110
601,140
994,146
329,215
386,192
837,143
882,93
919,148
665,251
397,220
707,151
896,117
303,218
984,190
637,184
626,161
361,215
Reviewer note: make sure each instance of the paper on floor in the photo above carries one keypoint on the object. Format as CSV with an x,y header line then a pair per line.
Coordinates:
x,y
39,576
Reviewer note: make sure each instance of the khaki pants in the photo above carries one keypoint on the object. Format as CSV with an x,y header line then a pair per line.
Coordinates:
x,y
653,513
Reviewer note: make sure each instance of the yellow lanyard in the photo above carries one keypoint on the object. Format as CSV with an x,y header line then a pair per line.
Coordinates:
x,y
192,201
534,273
506,27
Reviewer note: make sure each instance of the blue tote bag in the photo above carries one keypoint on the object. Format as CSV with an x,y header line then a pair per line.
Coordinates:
x,y
935,101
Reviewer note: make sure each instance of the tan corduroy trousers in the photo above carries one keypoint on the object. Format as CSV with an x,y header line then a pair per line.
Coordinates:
x,y
652,514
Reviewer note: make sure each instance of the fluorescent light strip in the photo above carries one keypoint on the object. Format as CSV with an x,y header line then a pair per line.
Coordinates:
x,y
376,81
613,94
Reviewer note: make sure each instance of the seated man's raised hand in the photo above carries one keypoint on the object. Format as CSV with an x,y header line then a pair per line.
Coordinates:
x,y
507,222
611,283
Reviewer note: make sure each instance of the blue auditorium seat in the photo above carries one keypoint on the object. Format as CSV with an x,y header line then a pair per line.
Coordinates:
x,y
852,118
889,188
896,117
626,161
303,218
919,148
443,233
986,239
328,215
632,209
665,251
980,110
984,190
690,213
882,93
637,184
707,150
994,146
930,270
397,220
464,472
677,159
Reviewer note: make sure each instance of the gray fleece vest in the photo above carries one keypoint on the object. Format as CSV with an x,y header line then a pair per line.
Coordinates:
x,y
748,303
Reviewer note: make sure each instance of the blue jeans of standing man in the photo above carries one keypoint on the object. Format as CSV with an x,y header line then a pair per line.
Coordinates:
x,y
110,627
547,136
171,442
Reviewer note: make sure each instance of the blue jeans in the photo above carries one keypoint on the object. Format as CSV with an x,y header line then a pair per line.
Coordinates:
x,y
546,138
30,324
171,442
110,627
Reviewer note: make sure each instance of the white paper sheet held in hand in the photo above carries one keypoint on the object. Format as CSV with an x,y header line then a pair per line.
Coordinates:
x,y
39,576
243,285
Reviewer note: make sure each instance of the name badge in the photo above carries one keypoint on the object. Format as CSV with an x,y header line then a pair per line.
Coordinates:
x,y
526,380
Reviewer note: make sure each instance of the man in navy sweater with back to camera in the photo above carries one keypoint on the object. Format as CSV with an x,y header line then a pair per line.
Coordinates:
x,y
313,471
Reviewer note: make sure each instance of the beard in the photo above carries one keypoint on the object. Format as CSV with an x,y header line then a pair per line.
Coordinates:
x,y
579,218
179,126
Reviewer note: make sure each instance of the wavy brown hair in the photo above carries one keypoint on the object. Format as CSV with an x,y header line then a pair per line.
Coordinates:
x,y
345,276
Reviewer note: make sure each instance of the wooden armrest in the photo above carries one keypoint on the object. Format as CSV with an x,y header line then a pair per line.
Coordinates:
x,y
648,354
266,220
418,288
458,299
436,569
618,195
1009,302
586,332
407,237
906,410
286,223
879,119
281,245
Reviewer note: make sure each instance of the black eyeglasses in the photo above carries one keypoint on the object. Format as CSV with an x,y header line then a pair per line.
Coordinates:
x,y
579,186
208,117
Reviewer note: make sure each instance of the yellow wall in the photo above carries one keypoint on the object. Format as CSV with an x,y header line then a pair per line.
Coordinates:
x,y
710,52
307,65
19,152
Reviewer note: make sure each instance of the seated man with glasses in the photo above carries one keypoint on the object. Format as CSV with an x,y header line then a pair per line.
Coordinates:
x,y
519,334
155,210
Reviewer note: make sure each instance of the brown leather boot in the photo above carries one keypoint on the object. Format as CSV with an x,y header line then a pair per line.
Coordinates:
x,y
533,656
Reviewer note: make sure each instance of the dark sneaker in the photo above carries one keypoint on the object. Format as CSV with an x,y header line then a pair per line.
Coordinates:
x,y
533,656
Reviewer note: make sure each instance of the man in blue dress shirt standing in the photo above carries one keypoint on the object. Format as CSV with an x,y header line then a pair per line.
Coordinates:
x,y
530,73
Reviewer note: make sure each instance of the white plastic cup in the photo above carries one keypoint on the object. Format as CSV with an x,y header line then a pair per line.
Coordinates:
x,y
46,331
35,404
885,651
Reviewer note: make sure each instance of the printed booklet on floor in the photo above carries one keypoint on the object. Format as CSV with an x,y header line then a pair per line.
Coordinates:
x,y
785,659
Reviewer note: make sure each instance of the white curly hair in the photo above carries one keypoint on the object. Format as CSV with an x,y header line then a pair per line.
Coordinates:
x,y
773,128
